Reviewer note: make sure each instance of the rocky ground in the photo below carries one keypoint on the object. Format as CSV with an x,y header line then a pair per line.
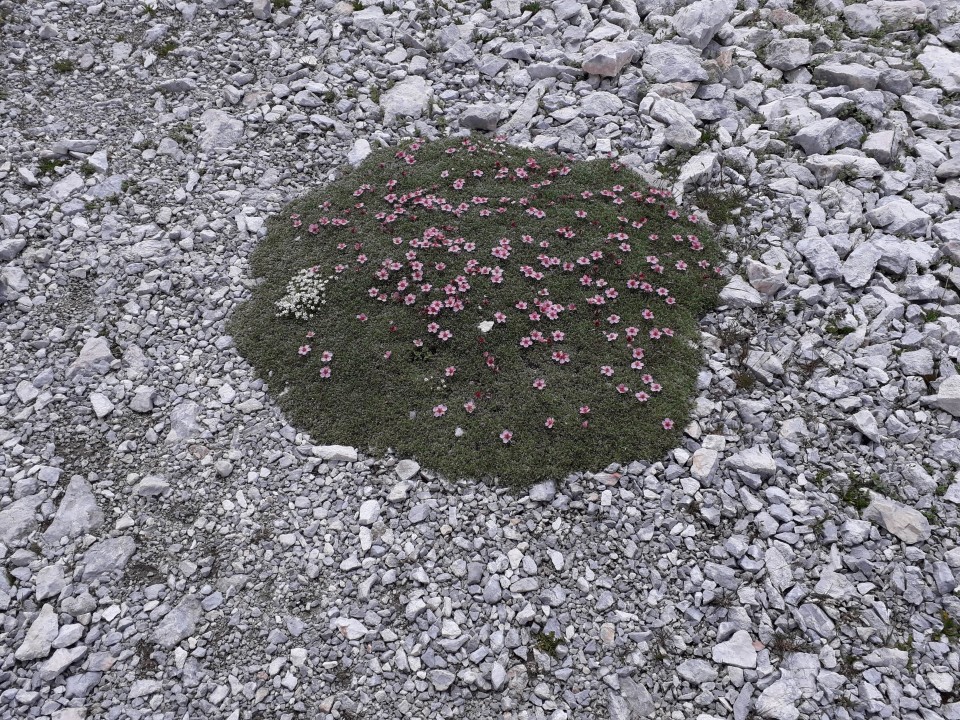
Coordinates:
x,y
172,548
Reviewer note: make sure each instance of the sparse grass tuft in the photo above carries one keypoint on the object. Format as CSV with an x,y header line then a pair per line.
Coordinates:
x,y
547,643
64,65
166,48
591,352
48,166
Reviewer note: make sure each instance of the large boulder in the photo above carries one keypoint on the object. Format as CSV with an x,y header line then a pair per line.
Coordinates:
x,y
666,63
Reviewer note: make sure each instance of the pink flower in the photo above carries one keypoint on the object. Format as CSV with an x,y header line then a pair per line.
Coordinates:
x,y
606,370
611,336
439,410
362,317
671,301
613,319
432,327
637,365
418,343
647,379
445,335
506,436
560,357
667,331
667,424
310,333
469,406
655,387
539,383
638,353
387,354
655,334
647,314
325,371
326,356
304,350
584,409
450,371
499,317
525,341
549,423
521,305
558,335
622,389
641,396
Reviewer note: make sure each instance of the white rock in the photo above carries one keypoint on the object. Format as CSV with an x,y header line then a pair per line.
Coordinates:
x,y
369,512
101,405
409,98
335,453
740,294
704,463
348,627
942,65
904,522
359,152
948,396
221,130
754,460
407,470
737,651
866,423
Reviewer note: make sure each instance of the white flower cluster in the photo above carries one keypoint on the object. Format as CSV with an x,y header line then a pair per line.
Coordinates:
x,y
306,294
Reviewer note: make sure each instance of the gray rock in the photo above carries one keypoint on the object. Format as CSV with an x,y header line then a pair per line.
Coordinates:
x,y
828,134
39,639
607,59
853,75
63,189
697,671
699,21
94,359
368,19
441,679
183,422
667,62
917,362
176,86
262,9
9,249
61,659
821,256
637,697
778,701
178,624
904,522
142,400
49,581
77,514
861,19
107,558
737,651
485,117
221,131
860,264
601,103
898,215
787,54
544,491
19,519
151,486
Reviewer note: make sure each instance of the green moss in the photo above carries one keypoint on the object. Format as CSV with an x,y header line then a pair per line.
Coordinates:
x,y
547,643
375,402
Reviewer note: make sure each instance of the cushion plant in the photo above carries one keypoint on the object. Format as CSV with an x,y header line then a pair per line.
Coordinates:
x,y
489,311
